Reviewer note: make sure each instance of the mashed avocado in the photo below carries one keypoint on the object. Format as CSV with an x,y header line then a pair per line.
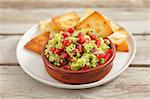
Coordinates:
x,y
76,49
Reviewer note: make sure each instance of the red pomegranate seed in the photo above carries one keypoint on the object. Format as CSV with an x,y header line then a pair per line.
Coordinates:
x,y
80,35
66,42
81,40
70,30
87,40
63,63
99,56
80,48
66,34
109,51
64,55
61,49
58,51
52,49
107,55
66,67
98,43
93,37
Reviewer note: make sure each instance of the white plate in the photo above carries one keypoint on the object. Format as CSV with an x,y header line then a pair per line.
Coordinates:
x,y
33,65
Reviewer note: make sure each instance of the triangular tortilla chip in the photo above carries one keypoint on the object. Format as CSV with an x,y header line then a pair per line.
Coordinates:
x,y
119,39
68,20
113,26
123,47
47,26
97,23
85,14
37,43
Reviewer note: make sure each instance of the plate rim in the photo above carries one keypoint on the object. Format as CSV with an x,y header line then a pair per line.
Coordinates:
x,y
83,86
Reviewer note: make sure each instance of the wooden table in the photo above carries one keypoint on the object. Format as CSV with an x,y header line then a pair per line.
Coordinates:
x,y
17,16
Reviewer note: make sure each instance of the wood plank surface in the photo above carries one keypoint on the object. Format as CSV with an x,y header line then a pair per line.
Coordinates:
x,y
16,84
17,21
9,43
31,4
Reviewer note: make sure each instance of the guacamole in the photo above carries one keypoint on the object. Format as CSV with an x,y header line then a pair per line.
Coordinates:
x,y
77,49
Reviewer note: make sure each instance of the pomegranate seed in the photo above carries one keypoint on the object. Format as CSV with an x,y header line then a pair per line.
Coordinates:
x,y
81,40
61,49
93,37
66,67
64,55
52,49
107,55
85,68
80,35
66,34
66,42
98,43
80,48
70,30
86,40
109,51
99,56
63,63
58,51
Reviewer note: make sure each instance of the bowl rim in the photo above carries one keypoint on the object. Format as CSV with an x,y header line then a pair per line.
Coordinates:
x,y
45,60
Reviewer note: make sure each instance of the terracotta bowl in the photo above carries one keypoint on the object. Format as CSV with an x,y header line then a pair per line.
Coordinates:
x,y
81,76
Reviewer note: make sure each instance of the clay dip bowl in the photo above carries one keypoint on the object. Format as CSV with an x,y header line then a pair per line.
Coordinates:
x,y
80,76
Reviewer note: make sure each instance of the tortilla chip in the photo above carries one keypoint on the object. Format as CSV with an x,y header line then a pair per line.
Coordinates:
x,y
85,14
97,23
47,26
68,20
119,39
123,47
37,43
113,26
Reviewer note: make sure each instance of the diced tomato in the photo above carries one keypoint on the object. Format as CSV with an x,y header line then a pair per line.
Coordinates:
x,y
81,40
107,56
52,49
66,67
64,55
99,56
70,30
80,48
80,35
66,42
98,43
66,34
93,37
85,68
